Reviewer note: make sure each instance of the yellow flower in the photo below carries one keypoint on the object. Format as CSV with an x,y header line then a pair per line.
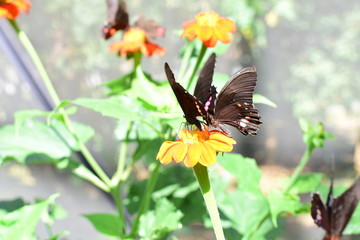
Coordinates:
x,y
135,40
195,146
209,28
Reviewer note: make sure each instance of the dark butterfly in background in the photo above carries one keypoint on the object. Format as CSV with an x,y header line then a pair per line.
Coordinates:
x,y
117,18
232,106
334,215
152,29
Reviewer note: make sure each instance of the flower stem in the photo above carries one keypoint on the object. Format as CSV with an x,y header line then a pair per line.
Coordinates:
x,y
202,177
304,160
197,65
54,96
118,175
145,201
115,193
185,60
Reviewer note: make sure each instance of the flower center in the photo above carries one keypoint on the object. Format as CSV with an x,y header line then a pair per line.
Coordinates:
x,y
4,1
193,136
135,35
209,19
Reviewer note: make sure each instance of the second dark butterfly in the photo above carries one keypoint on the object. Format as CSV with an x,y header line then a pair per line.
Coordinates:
x,y
334,215
232,106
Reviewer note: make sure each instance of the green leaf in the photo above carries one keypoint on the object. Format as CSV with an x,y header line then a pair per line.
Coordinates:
x,y
245,169
152,95
307,182
21,223
288,204
82,131
244,215
353,227
157,223
37,142
57,236
119,85
260,99
115,107
12,205
107,224
34,137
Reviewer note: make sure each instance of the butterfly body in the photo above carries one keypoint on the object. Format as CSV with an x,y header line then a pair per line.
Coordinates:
x,y
232,106
334,215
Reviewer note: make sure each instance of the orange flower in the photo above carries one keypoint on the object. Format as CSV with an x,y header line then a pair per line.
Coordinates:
x,y
195,146
135,40
11,8
209,28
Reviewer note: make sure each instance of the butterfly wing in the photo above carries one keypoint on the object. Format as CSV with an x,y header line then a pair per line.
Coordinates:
x,y
205,92
343,208
191,107
117,18
234,104
151,28
320,213
241,115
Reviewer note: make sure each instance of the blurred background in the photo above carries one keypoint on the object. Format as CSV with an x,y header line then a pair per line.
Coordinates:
x,y
307,58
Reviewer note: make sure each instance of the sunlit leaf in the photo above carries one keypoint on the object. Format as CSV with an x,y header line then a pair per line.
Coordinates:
x,y
260,99
107,224
157,223
21,223
285,203
306,183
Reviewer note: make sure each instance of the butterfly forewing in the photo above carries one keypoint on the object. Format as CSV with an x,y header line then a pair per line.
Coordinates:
x,y
320,213
234,105
117,17
343,207
205,92
240,88
191,107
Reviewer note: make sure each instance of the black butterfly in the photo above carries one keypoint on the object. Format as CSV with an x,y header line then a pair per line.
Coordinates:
x,y
233,105
336,213
117,18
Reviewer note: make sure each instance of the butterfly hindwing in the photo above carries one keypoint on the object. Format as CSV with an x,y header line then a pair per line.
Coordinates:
x,y
240,115
191,107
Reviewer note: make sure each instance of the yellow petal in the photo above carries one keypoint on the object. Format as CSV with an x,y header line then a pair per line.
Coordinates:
x,y
222,35
208,155
227,25
165,147
204,33
180,152
218,136
193,155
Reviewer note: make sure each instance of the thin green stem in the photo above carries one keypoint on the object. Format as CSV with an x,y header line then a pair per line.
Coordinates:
x,y
145,200
54,96
202,177
197,65
115,193
185,60
122,157
304,160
